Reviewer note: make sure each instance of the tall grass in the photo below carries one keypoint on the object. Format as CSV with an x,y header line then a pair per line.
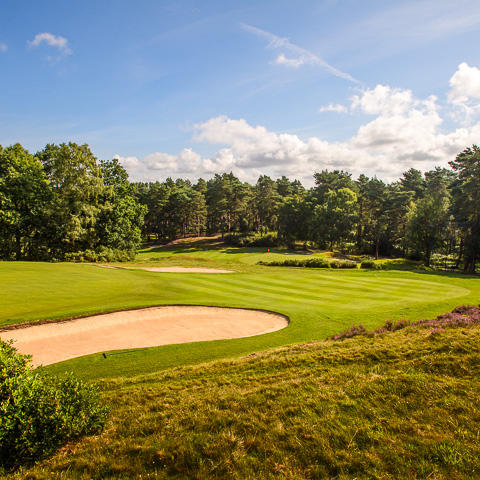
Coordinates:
x,y
401,405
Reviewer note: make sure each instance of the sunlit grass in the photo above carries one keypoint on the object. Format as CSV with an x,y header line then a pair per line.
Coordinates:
x,y
318,302
400,405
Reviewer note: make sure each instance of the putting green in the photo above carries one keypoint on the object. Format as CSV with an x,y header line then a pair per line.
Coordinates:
x,y
318,302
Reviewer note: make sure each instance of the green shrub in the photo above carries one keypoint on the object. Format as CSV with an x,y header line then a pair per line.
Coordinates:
x,y
252,240
342,264
38,413
369,264
103,255
91,256
316,262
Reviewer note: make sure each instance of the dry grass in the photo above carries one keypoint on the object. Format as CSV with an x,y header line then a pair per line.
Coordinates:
x,y
402,404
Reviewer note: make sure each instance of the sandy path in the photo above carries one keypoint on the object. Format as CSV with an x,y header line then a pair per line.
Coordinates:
x,y
147,327
172,269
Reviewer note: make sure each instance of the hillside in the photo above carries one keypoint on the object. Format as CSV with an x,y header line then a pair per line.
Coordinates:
x,y
400,404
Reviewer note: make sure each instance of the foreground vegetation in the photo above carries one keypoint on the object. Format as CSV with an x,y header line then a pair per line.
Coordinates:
x,y
400,404
38,413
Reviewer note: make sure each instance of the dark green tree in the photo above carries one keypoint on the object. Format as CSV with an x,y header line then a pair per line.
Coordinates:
x,y
120,216
412,181
24,205
76,181
428,221
335,219
466,203
266,202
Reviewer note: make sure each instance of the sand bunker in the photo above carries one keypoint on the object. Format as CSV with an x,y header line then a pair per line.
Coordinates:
x,y
173,269
146,327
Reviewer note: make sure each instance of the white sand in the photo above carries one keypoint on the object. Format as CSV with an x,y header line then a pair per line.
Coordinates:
x,y
146,327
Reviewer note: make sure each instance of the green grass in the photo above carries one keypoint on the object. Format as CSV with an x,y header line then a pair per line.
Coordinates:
x,y
213,253
400,405
283,405
318,303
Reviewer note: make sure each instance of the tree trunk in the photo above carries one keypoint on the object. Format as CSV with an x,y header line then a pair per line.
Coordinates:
x,y
428,254
18,254
469,265
460,254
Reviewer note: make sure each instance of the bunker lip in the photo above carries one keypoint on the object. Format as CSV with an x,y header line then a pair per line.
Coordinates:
x,y
170,269
19,326
141,328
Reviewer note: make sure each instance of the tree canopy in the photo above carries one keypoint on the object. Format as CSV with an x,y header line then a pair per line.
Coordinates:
x,y
63,201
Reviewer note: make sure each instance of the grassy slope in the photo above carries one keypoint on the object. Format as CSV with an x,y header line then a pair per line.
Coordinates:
x,y
400,405
318,302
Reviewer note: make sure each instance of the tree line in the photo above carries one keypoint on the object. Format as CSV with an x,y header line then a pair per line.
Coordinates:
x,y
62,202
419,215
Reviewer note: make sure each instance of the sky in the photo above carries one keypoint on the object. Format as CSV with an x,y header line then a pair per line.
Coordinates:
x,y
192,88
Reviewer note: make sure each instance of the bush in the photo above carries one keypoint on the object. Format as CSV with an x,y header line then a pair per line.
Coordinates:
x,y
268,240
398,264
253,240
462,316
38,413
370,264
104,254
316,262
343,264
281,263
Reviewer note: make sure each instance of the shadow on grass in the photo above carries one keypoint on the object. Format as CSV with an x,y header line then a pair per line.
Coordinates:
x,y
187,245
443,273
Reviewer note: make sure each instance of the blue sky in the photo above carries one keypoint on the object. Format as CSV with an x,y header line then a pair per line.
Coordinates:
x,y
189,88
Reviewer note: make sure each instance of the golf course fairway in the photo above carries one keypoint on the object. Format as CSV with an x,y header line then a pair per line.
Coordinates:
x,y
319,303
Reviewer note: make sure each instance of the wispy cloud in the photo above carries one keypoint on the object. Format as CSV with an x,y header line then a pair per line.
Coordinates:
x,y
337,108
301,56
61,43
3,47
402,26
289,62
428,19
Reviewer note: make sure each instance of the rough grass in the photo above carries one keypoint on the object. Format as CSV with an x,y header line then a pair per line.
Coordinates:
x,y
402,404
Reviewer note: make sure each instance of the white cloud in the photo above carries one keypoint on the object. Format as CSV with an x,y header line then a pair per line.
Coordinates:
x,y
3,47
130,163
301,56
405,132
333,108
61,43
289,62
383,100
464,91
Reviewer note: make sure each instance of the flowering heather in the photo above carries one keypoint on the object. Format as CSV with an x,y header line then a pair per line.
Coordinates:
x,y
462,316
353,331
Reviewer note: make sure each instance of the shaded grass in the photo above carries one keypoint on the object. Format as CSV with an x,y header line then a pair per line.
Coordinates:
x,y
208,251
400,405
